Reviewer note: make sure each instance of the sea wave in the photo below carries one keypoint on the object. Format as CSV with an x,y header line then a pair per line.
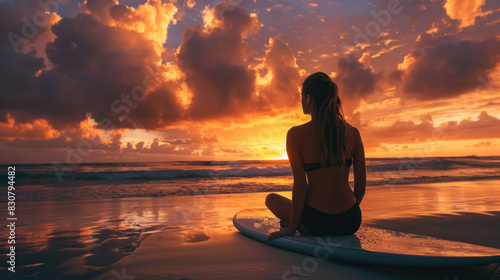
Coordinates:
x,y
398,164
163,174
129,188
388,167
109,180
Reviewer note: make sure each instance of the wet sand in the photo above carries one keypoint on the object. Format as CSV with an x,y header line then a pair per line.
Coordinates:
x,y
192,237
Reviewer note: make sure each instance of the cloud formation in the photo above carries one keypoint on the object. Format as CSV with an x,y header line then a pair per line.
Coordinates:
x,y
444,67
220,74
39,129
357,79
98,71
214,61
280,86
485,127
151,20
100,10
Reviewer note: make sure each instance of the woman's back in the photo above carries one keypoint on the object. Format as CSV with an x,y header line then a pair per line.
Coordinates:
x,y
328,188
322,201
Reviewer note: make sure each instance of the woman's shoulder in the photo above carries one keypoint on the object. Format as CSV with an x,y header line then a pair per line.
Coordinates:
x,y
300,128
301,132
354,133
352,129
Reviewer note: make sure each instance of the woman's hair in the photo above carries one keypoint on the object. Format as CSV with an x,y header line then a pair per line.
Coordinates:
x,y
331,128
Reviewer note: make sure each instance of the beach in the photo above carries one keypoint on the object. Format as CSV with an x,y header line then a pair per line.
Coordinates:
x,y
192,237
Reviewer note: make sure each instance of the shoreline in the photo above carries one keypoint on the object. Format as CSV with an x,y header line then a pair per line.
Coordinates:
x,y
206,191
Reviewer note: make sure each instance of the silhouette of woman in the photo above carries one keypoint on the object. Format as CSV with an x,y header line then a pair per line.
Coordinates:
x,y
321,152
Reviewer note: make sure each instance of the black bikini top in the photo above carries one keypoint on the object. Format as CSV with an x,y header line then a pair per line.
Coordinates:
x,y
317,165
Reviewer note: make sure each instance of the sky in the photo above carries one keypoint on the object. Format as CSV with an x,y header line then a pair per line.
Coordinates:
x,y
120,81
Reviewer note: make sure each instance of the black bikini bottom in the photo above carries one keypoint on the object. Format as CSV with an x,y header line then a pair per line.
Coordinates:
x,y
321,224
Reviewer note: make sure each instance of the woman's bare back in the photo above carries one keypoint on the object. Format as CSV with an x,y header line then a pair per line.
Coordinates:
x,y
328,188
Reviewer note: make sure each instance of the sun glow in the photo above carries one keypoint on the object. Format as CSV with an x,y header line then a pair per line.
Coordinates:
x,y
284,155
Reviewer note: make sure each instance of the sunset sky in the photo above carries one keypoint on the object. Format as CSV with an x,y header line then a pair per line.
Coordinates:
x,y
132,80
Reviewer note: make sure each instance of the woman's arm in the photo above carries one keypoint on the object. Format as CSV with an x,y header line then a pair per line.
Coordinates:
x,y
359,168
299,191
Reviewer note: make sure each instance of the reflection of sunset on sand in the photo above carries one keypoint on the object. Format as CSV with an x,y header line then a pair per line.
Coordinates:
x,y
166,232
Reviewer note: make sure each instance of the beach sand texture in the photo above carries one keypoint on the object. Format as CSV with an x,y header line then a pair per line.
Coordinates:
x,y
192,237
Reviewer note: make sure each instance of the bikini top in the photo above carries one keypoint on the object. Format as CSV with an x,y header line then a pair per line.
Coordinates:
x,y
317,165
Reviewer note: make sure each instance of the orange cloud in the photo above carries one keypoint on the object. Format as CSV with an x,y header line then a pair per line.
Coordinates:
x,y
280,86
485,127
38,129
464,10
150,19
483,144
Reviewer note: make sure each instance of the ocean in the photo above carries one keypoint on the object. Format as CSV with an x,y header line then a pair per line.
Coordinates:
x,y
81,224
43,182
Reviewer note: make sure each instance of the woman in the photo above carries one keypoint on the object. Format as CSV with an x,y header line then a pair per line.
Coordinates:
x,y
320,154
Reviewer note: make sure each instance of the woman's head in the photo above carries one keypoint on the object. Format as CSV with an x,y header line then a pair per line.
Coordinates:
x,y
319,90
320,98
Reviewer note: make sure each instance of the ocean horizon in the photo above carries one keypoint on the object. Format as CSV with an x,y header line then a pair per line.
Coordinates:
x,y
43,182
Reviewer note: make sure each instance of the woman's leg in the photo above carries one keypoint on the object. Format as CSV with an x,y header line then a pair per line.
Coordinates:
x,y
280,206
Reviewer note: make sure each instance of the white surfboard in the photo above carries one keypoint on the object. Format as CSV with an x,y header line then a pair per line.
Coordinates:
x,y
369,245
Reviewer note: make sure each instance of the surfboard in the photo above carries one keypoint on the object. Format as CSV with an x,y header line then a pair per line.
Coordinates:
x,y
368,245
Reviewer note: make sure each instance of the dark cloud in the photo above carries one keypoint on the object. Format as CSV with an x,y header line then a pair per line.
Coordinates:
x,y
179,141
405,131
25,25
10,21
446,67
119,12
215,64
485,127
283,89
17,76
158,110
19,92
155,147
77,141
97,69
356,80
100,9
